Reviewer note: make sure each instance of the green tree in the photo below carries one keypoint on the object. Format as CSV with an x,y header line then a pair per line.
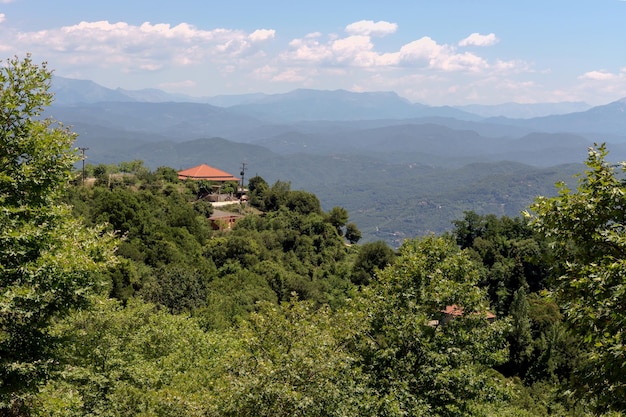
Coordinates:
x,y
338,217
181,289
303,202
587,227
419,367
233,296
102,173
166,174
277,195
49,262
134,360
204,208
133,167
371,258
520,338
258,190
228,187
296,360
353,234
556,349
469,228
512,254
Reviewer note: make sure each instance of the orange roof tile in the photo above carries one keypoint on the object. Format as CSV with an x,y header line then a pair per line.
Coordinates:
x,y
456,311
205,172
453,310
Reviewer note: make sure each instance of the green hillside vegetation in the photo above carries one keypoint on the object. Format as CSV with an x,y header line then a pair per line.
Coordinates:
x,y
392,200
119,298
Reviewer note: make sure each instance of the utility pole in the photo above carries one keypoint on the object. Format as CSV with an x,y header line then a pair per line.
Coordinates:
x,y
83,158
243,172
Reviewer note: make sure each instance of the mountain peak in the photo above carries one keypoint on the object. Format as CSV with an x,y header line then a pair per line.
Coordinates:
x,y
74,91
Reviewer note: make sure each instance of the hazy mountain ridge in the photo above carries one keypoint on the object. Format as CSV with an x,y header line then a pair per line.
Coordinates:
x,y
606,119
178,121
74,91
70,91
341,105
304,105
525,111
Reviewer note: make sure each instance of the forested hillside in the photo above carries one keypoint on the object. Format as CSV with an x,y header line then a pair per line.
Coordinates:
x,y
118,296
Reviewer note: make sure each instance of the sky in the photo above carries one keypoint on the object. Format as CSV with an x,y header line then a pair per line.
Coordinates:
x,y
435,52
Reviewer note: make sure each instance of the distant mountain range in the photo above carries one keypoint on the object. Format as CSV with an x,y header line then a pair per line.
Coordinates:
x,y
71,92
400,168
525,111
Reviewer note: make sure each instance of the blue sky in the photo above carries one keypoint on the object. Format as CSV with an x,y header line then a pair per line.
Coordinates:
x,y
434,52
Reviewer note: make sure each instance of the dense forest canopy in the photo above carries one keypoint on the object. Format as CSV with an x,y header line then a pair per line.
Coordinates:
x,y
118,297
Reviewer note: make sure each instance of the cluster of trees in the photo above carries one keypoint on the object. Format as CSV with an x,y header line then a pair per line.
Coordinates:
x,y
169,255
49,262
119,299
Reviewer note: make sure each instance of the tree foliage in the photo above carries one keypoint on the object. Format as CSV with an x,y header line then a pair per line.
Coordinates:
x,y
587,228
338,217
134,360
371,258
297,361
517,267
49,263
421,367
353,234
513,256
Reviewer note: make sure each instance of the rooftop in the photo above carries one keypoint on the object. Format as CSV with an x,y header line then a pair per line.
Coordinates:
x,y
207,173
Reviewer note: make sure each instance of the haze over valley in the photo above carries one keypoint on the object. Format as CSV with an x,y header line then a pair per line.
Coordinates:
x,y
401,169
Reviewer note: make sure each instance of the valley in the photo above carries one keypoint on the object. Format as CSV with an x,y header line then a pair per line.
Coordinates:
x,y
401,169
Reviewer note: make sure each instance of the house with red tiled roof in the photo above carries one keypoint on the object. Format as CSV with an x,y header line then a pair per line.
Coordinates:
x,y
216,176
206,173
453,311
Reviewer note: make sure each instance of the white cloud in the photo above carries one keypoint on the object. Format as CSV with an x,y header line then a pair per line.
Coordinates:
x,y
144,47
371,28
423,49
476,39
352,49
511,66
308,50
460,62
261,35
425,52
265,72
422,69
603,85
2,17
355,50
359,51
290,75
598,76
